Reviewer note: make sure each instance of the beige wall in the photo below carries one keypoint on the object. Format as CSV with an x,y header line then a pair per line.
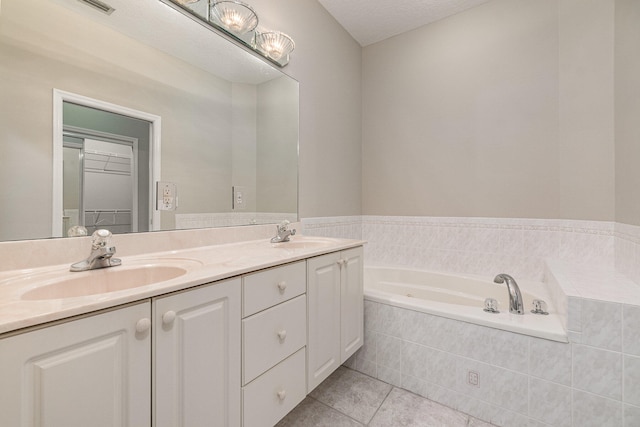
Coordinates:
x,y
627,111
327,63
277,158
501,111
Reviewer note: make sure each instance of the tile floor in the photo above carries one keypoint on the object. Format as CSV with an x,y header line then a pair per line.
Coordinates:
x,y
348,398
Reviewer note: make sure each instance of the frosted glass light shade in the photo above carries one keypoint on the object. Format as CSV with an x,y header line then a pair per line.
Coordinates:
x,y
274,44
235,16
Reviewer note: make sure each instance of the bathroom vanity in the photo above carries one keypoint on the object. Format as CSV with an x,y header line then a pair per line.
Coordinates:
x,y
239,339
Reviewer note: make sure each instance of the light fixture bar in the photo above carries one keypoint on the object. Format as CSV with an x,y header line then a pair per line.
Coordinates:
x,y
97,4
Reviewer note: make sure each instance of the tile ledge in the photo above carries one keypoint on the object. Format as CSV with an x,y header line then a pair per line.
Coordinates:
x,y
596,282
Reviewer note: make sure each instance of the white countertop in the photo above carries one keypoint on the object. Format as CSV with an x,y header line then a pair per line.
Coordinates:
x,y
206,264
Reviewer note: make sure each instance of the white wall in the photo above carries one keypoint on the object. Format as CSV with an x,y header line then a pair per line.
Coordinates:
x,y
327,63
627,111
505,110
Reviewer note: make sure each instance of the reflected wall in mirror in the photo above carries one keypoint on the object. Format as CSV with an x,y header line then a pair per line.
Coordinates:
x,y
228,118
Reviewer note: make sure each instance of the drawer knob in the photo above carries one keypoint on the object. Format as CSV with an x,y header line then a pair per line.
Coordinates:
x,y
169,317
282,286
282,335
143,325
282,394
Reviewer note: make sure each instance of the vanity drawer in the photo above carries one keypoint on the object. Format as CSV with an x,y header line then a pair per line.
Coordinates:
x,y
275,393
270,336
267,288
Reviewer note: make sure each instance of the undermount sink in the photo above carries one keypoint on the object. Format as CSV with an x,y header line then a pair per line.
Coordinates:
x,y
105,280
305,243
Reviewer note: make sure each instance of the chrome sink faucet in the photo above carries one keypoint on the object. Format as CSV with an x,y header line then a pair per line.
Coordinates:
x,y
101,255
515,297
283,232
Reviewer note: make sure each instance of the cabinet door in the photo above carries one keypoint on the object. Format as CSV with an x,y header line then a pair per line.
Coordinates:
x,y
351,302
323,295
197,357
94,371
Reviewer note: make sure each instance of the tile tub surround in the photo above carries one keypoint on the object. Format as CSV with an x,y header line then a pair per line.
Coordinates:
x,y
481,246
593,267
522,380
627,250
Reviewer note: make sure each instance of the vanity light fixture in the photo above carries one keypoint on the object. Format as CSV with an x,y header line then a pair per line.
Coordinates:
x,y
234,16
239,21
274,44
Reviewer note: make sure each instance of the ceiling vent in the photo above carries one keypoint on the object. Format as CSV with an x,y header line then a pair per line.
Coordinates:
x,y
96,4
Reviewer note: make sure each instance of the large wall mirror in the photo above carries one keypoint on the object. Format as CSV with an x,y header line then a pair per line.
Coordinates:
x,y
99,111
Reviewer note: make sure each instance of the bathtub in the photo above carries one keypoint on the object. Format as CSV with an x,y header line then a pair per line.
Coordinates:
x,y
461,297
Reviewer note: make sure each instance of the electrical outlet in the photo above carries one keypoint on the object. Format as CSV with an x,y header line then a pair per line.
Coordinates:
x,y
473,378
167,196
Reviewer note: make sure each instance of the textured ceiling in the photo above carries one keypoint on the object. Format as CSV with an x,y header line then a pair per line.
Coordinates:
x,y
370,21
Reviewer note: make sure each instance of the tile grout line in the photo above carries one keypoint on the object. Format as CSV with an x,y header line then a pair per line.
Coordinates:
x,y
381,403
335,410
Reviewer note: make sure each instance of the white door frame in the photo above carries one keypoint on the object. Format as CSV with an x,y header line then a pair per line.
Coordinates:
x,y
59,97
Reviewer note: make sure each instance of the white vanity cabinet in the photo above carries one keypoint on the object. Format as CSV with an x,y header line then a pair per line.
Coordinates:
x,y
238,352
93,371
196,356
274,335
335,312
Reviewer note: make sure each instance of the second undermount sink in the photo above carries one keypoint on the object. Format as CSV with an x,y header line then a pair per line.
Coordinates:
x,y
106,280
305,243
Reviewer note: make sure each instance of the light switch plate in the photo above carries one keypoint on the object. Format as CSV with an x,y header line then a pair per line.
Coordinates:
x,y
239,198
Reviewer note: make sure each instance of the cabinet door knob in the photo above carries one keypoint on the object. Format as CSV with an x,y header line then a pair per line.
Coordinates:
x,y
143,325
282,286
282,394
342,262
282,334
169,317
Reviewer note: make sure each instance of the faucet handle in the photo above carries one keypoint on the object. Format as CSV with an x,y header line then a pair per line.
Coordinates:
x,y
283,225
100,238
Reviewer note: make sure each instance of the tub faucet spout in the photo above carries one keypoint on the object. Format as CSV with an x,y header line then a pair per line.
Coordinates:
x,y
515,297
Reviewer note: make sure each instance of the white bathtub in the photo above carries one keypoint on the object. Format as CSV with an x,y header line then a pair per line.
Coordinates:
x,y
462,298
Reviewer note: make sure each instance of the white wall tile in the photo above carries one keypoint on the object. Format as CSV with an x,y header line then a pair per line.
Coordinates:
x,y
504,418
550,360
590,410
575,314
510,390
631,329
486,378
632,380
631,416
390,375
441,367
549,402
368,351
509,350
478,408
597,371
371,315
389,320
470,340
389,352
602,324
367,367
414,359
